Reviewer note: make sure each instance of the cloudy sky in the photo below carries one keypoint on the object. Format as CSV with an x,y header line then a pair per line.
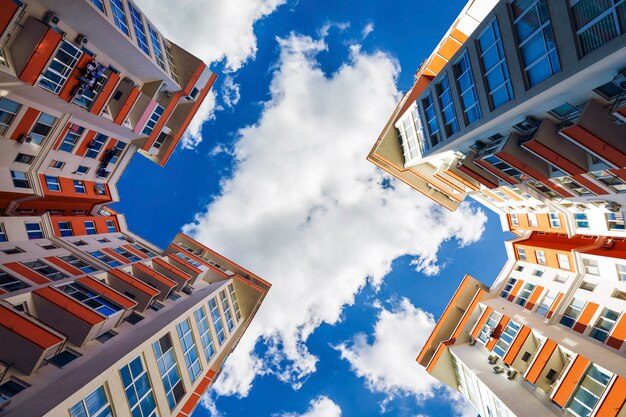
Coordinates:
x,y
273,175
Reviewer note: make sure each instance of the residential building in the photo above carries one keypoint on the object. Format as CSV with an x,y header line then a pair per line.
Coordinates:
x,y
95,320
84,85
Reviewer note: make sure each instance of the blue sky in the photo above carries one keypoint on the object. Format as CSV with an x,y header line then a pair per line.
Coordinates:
x,y
276,179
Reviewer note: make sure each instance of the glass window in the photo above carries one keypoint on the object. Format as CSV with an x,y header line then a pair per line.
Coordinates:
x,y
45,270
119,16
621,272
117,151
95,404
111,226
53,183
205,333
615,221
508,287
591,267
95,145
541,257
514,219
41,129
154,118
233,296
582,222
227,313
99,4
432,122
588,393
492,323
192,360
142,249
64,61
535,39
525,294
572,312
8,110
20,180
71,138
79,186
82,170
450,123
555,220
140,31
90,227
138,389
597,22
77,263
563,261
507,337
168,368
532,220
9,283
547,302
3,233
217,321
126,254
611,181
170,60
65,228
33,230
411,134
105,258
87,96
24,158
521,254
91,299
159,142
467,88
604,325
156,46
494,65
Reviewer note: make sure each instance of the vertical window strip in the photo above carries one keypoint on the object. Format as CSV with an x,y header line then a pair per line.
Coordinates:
x,y
119,16
467,89
217,321
597,22
95,404
192,360
59,70
226,307
495,67
444,93
168,369
432,122
140,31
205,334
138,389
233,296
156,46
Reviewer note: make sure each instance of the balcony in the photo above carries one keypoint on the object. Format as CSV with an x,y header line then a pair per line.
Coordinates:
x,y
162,283
25,342
546,366
139,291
469,167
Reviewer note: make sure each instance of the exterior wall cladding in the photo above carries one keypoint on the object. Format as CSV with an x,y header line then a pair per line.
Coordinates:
x,y
522,106
94,320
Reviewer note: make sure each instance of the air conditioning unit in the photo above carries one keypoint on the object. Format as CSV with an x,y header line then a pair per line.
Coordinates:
x,y
510,374
24,139
4,401
620,79
51,19
82,40
492,359
613,206
471,341
498,369
528,125
188,289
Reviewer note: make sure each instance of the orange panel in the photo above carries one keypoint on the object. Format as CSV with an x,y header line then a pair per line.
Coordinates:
x,y
64,265
443,346
614,400
595,144
130,101
567,386
67,303
481,322
183,262
18,324
41,55
27,273
7,11
468,313
555,304
135,251
108,292
81,150
515,290
26,123
497,332
532,375
60,138
515,347
617,337
163,120
129,279
162,278
105,93
115,255
191,404
72,80
532,300
585,317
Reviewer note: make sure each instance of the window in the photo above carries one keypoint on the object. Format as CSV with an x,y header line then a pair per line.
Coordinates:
x,y
572,312
188,259
138,389
106,336
597,22
514,219
535,40
95,404
99,4
492,323
521,254
507,337
103,240
154,118
205,333
450,123
233,296
156,46
159,142
20,180
80,243
532,220
467,88
71,138
45,270
591,267
33,230
119,16
90,227
126,254
613,182
111,226
77,263
227,313
412,135
621,272
53,183
431,120
541,257
525,294
13,251
563,261
547,302
48,246
508,287
168,368
140,31
538,272
91,299
588,393
143,250
9,283
56,164
95,145
609,90
582,222
494,65
604,325
79,186
11,387
555,220
42,127
194,367
3,233
105,258
100,189
615,221
65,228
54,77
170,60
217,321
117,151
8,110
519,268
24,158
81,170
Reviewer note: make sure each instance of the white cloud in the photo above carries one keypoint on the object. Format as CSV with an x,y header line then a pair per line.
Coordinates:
x,y
193,135
369,28
340,26
307,212
208,403
230,92
322,406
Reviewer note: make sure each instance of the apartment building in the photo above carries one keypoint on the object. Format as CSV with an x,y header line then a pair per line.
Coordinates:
x,y
97,321
523,112
84,85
